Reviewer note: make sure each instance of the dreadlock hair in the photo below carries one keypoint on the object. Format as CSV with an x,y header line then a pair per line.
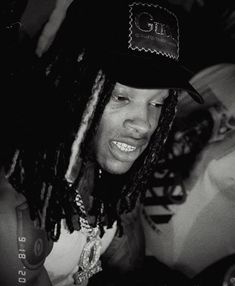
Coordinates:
x,y
140,173
70,93
39,166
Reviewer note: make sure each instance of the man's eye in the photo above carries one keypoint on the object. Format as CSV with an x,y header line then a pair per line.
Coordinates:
x,y
119,98
156,104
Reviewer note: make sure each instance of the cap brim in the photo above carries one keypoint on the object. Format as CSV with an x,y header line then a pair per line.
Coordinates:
x,y
145,73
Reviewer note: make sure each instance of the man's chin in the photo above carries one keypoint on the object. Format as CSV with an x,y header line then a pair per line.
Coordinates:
x,y
117,168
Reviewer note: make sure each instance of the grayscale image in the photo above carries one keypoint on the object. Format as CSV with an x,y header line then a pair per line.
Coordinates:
x,y
117,148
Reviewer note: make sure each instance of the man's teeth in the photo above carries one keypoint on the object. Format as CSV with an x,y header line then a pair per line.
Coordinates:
x,y
124,147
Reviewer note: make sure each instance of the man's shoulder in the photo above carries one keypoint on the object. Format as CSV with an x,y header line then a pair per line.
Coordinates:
x,y
23,244
32,241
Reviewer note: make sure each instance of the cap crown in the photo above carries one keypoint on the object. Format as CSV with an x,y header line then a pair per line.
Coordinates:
x,y
154,29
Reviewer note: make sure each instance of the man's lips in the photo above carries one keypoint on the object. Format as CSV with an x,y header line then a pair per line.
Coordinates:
x,y
127,149
131,141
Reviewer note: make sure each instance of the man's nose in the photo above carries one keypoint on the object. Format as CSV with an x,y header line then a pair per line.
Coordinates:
x,y
138,121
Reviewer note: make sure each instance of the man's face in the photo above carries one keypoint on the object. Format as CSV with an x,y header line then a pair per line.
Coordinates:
x,y
128,121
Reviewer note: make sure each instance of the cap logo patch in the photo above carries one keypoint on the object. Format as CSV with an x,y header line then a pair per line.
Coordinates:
x,y
153,29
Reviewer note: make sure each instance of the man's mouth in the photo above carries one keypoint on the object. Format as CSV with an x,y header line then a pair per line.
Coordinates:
x,y
124,147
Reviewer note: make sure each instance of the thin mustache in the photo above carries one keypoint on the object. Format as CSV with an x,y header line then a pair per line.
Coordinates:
x,y
132,139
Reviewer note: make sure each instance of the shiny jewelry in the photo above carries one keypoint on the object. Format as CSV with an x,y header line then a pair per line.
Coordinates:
x,y
89,263
100,174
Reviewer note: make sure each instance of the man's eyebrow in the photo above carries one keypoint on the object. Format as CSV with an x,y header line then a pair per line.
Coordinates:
x,y
119,90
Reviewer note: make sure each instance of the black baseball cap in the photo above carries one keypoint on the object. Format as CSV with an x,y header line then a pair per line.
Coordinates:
x,y
138,44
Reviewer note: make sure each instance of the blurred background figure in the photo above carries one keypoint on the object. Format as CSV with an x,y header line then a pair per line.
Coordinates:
x,y
190,206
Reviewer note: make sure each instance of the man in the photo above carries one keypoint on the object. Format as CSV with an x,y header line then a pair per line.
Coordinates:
x,y
98,127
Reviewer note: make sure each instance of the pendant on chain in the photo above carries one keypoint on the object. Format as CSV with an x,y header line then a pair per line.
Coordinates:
x,y
89,263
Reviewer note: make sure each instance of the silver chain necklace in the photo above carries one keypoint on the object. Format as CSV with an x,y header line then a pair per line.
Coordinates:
x,y
89,262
